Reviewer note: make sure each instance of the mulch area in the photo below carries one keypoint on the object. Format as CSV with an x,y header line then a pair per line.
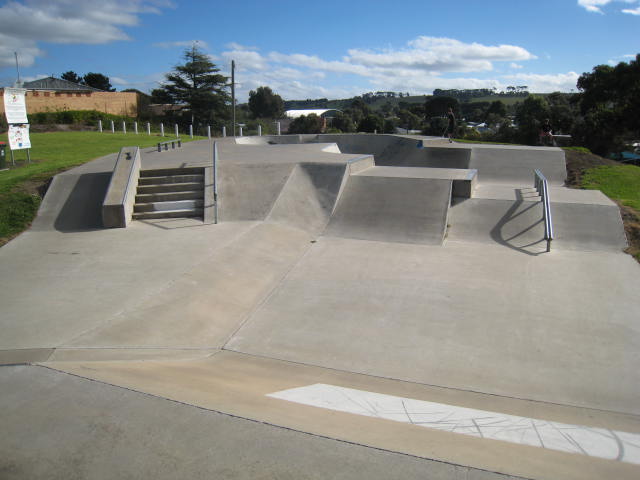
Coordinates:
x,y
577,163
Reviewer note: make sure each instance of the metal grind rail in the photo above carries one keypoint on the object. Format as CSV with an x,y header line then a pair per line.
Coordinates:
x,y
215,181
542,186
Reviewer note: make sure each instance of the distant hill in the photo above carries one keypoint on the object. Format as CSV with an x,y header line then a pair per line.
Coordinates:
x,y
376,102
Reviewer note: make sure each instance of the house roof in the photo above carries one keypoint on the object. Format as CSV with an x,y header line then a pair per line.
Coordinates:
x,y
57,84
317,111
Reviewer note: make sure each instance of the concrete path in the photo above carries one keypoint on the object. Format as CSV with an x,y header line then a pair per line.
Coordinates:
x,y
170,346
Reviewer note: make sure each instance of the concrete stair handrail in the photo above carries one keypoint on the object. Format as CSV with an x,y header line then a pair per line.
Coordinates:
x,y
117,207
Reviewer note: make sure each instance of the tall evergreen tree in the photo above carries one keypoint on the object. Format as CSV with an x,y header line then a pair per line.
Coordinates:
x,y
263,103
99,81
72,76
198,84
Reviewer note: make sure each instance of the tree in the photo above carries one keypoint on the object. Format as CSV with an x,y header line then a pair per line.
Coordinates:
x,y
529,116
198,84
498,108
71,76
343,122
371,123
263,103
610,102
311,123
438,106
99,81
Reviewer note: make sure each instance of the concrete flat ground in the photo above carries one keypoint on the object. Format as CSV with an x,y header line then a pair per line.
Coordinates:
x,y
155,350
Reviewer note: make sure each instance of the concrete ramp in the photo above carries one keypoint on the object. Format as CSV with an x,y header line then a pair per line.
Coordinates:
x,y
309,196
392,209
515,165
519,225
249,191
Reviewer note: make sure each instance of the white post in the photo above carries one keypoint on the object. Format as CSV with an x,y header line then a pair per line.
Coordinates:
x,y
148,128
135,127
259,130
124,128
191,131
240,127
176,129
278,127
224,131
161,129
100,126
113,127
209,132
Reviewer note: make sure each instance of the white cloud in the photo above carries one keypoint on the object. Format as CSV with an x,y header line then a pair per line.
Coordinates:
x,y
237,46
515,66
27,23
562,82
595,6
182,43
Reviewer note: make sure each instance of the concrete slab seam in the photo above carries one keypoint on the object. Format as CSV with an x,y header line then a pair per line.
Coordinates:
x,y
159,290
432,385
315,435
266,298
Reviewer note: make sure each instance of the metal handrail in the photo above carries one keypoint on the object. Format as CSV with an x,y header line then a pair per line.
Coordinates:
x,y
215,180
542,187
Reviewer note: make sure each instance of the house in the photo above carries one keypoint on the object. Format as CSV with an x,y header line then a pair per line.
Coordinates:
x,y
52,94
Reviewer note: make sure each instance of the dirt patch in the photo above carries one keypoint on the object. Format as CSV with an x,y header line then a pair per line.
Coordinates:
x,y
577,163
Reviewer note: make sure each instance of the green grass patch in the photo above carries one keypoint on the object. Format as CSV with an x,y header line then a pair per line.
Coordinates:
x,y
52,153
577,149
619,182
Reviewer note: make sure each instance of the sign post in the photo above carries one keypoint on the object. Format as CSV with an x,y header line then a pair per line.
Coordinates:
x,y
15,109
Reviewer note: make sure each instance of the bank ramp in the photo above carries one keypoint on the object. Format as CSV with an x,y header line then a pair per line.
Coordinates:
x,y
392,208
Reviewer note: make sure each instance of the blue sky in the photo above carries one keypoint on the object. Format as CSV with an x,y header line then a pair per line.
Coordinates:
x,y
333,49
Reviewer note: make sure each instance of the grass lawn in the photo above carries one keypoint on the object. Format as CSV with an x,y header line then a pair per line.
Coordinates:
x,y
620,182
52,153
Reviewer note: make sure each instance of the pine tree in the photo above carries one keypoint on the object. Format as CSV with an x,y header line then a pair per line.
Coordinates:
x,y
197,84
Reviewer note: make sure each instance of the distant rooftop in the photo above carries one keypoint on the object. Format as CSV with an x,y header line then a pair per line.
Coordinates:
x,y
58,84
298,113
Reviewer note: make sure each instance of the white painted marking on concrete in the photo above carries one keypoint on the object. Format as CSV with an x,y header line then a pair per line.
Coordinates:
x,y
590,441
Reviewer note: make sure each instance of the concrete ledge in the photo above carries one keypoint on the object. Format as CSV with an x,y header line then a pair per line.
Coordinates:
x,y
117,208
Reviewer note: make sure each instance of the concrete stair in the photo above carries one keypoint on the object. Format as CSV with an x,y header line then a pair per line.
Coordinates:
x,y
170,193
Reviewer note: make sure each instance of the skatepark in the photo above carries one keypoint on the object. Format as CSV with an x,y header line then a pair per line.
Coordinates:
x,y
366,306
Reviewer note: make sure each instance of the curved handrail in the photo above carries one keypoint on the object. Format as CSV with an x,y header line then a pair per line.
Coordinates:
x,y
542,186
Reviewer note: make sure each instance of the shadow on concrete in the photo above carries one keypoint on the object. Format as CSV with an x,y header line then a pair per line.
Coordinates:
x,y
512,215
82,210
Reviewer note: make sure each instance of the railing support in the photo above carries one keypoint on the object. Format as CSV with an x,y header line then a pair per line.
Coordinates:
x,y
542,186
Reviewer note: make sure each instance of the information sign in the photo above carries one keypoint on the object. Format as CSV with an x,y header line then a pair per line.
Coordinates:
x,y
15,107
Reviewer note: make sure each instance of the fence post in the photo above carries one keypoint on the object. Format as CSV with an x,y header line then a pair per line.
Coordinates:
x,y
209,132
259,130
135,127
113,127
224,131
161,129
240,127
100,126
124,127
148,128
278,127
190,131
176,130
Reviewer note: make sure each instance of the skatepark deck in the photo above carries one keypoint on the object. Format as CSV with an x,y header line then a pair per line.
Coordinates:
x,y
169,348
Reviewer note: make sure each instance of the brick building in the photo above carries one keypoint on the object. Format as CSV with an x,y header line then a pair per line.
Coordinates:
x,y
54,94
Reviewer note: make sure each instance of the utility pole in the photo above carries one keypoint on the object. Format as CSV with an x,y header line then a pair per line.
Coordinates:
x,y
233,94
19,83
